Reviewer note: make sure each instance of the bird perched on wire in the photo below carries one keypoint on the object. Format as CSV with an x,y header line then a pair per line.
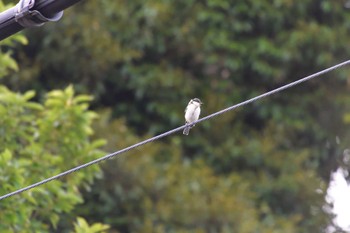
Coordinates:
x,y
192,112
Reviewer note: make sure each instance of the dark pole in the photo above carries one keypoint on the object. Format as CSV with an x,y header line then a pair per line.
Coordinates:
x,y
31,13
8,26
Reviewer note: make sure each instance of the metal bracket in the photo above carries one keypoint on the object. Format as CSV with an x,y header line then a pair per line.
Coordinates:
x,y
32,18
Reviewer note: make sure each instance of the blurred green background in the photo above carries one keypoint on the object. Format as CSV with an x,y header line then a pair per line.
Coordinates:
x,y
111,73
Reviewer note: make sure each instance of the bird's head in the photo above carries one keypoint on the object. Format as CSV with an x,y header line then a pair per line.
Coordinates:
x,y
196,100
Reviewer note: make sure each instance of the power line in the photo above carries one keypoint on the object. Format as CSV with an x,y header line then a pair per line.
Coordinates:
x,y
175,130
274,91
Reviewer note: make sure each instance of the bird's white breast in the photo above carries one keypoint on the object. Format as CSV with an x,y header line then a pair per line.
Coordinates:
x,y
192,112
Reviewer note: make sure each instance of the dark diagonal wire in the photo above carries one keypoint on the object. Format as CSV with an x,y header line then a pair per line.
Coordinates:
x,y
175,130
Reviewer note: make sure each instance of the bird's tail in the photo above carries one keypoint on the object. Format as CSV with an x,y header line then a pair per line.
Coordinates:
x,y
186,130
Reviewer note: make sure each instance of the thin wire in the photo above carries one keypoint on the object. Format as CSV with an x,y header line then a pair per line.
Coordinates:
x,y
175,130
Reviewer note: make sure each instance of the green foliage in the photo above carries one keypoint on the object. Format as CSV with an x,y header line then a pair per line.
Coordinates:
x,y
81,226
155,190
143,61
139,52
38,141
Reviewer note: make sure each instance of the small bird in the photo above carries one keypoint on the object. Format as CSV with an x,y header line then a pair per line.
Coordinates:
x,y
192,112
